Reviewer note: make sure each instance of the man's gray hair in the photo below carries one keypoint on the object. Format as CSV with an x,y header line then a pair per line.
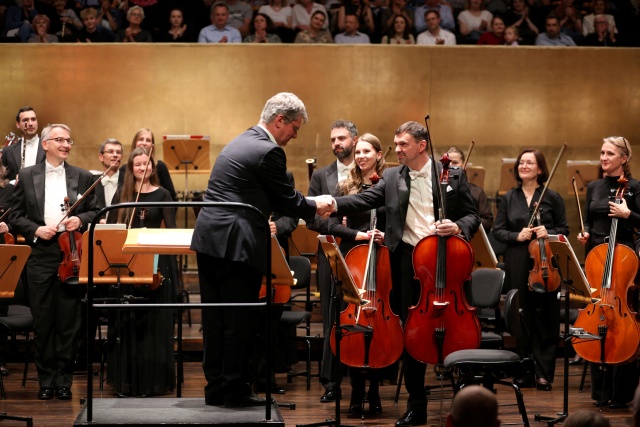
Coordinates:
x,y
346,124
47,130
109,141
286,104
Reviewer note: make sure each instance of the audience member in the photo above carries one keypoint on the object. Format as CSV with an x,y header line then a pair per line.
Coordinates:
x,y
262,30
400,33
219,31
153,11
586,418
361,10
553,37
92,32
496,35
18,19
67,20
446,16
497,7
280,14
435,34
240,14
179,31
351,35
473,21
602,36
598,7
388,16
134,33
474,406
315,33
570,20
302,13
520,17
109,17
511,36
41,28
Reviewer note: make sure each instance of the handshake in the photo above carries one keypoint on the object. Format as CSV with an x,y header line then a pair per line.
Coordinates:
x,y
325,205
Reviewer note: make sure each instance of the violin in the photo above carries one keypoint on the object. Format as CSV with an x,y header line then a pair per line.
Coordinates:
x,y
442,321
8,237
610,318
543,277
70,243
382,343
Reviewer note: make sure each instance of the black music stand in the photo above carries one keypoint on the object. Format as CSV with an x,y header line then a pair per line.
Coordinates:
x,y
576,288
475,175
507,175
585,171
12,261
342,285
484,255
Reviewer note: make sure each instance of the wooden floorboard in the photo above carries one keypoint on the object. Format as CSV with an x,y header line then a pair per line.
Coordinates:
x,y
55,413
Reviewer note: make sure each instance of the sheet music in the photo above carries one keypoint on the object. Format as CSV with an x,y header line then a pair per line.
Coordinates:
x,y
167,237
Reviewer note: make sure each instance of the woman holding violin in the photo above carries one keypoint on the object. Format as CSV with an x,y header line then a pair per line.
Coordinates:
x,y
620,380
540,304
141,361
356,230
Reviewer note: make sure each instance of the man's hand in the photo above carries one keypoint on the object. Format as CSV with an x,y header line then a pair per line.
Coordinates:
x,y
46,232
272,228
324,205
72,223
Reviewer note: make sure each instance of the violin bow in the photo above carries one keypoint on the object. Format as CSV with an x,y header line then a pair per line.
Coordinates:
x,y
386,153
4,214
144,175
466,159
575,193
546,184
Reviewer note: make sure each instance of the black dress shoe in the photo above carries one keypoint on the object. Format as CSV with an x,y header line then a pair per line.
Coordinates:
x,y
412,418
329,394
64,393
4,371
45,393
601,403
375,407
615,405
577,360
355,410
214,399
275,389
542,384
244,401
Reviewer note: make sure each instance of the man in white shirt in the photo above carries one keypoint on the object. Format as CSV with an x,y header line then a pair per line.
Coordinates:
x,y
27,151
302,12
434,34
110,154
219,31
351,34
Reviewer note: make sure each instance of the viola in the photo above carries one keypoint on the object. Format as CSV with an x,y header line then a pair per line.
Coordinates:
x,y
442,321
610,318
543,277
70,243
383,342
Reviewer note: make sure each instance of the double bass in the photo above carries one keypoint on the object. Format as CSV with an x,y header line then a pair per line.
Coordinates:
x,y
610,318
442,321
382,343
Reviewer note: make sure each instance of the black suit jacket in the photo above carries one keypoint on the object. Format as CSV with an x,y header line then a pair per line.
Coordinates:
x,y
12,157
250,169
323,181
392,192
28,198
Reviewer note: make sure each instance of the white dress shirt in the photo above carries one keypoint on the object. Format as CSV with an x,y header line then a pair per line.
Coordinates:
x,y
55,190
421,218
30,151
343,170
110,185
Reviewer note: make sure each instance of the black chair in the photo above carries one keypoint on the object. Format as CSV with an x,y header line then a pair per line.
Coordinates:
x,y
492,366
484,294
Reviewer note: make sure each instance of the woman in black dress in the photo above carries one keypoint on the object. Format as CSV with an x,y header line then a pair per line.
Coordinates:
x,y
140,343
619,381
541,310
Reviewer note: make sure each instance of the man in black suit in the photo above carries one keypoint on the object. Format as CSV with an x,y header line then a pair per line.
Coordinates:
x,y
27,151
36,213
408,193
231,248
344,135
110,154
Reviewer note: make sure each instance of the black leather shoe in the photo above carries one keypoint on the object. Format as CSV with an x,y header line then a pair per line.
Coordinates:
x,y
601,403
577,360
214,399
355,410
275,389
45,393
245,401
412,418
375,407
64,393
542,384
4,371
329,395
614,405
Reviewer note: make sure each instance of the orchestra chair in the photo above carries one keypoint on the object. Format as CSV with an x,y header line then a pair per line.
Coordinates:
x,y
484,294
493,366
301,267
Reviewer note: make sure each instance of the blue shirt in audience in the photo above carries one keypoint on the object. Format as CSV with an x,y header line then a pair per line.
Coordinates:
x,y
212,34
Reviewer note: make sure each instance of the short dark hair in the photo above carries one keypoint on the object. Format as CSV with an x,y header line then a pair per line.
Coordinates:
x,y
22,110
414,129
348,125
431,11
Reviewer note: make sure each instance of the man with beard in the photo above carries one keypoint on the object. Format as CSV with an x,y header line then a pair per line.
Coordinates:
x,y
27,151
344,135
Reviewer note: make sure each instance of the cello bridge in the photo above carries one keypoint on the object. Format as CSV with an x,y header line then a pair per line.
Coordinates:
x,y
441,304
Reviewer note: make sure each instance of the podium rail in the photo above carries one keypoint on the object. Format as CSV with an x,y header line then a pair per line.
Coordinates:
x,y
124,307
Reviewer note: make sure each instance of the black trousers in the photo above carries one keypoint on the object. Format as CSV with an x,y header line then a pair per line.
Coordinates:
x,y
329,367
229,333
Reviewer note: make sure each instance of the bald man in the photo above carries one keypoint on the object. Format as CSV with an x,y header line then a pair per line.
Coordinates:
x,y
474,406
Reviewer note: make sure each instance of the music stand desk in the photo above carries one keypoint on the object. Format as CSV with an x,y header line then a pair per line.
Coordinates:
x,y
162,241
484,255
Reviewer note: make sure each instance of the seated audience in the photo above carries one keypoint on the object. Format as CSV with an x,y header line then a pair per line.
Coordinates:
x,y
110,17
134,33
553,36
65,19
41,29
585,418
316,32
388,16
17,21
400,33
280,14
351,35
598,7
435,34
179,32
240,14
521,17
473,21
219,31
496,35
497,7
361,11
602,36
446,16
474,406
511,36
570,20
92,32
302,13
262,30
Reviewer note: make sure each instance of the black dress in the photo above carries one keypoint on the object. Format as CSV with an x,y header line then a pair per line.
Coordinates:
x,y
140,342
619,382
163,175
541,310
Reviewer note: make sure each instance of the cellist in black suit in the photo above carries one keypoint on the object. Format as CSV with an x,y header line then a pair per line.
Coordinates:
x,y
231,243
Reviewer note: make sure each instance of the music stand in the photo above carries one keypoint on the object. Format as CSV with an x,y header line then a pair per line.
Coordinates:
x,y
12,261
584,171
507,176
484,255
475,175
575,283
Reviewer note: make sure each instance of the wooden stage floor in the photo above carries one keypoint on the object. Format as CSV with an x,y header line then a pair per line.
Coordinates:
x,y
55,413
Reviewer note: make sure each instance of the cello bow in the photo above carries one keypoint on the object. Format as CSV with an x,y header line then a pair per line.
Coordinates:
x,y
575,193
466,159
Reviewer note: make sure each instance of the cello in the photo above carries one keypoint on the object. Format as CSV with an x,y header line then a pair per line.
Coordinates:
x,y
382,343
610,318
442,321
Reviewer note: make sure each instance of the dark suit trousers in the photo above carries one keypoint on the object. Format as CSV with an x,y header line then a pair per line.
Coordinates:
x,y
57,316
330,366
229,333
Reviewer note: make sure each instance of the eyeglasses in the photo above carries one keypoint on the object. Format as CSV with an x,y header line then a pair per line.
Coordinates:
x,y
526,163
295,128
61,140
118,152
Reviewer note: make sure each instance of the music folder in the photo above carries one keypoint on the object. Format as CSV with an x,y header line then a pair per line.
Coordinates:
x,y
484,257
350,292
12,261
